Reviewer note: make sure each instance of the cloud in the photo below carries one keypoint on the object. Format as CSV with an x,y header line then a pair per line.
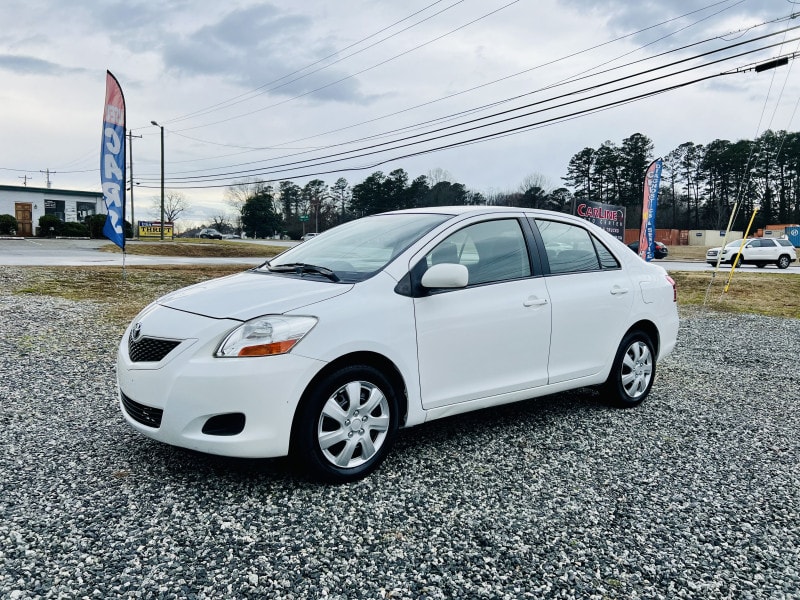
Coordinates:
x,y
30,65
260,46
624,16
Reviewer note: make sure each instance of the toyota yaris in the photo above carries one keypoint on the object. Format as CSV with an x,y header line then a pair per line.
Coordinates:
x,y
325,351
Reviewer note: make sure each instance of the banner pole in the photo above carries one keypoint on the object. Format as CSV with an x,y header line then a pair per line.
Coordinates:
x,y
739,252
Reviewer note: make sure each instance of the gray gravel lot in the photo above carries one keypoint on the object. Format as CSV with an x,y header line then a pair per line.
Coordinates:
x,y
696,494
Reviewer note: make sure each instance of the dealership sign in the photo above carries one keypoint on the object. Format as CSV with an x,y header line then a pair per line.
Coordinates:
x,y
606,216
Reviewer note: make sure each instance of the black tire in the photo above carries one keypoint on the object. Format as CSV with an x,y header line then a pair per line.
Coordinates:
x,y
326,443
633,372
738,262
784,261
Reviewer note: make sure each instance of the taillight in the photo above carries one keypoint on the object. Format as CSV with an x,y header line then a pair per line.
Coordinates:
x,y
674,288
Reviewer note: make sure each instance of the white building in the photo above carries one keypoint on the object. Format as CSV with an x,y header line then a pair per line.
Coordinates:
x,y
27,204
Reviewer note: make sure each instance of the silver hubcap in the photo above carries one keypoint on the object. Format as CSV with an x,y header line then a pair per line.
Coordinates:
x,y
353,424
637,369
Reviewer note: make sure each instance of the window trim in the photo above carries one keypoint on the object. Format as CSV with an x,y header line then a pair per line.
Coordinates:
x,y
532,219
410,285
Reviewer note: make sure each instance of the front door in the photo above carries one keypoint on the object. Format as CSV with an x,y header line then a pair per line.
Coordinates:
x,y
492,337
24,215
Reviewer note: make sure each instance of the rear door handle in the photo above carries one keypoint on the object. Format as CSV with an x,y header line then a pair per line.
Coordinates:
x,y
617,290
535,301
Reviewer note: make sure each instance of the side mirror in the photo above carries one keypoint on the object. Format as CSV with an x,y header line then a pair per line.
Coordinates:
x,y
445,275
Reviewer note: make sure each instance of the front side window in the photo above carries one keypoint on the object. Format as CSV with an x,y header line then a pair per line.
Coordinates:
x,y
569,248
491,251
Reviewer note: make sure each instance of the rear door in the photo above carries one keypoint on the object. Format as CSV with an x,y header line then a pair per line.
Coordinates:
x,y
591,299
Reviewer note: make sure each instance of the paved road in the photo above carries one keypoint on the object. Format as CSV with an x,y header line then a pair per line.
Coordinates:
x,y
47,252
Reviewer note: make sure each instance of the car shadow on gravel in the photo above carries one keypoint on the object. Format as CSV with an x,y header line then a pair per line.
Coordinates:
x,y
511,424
158,460
566,409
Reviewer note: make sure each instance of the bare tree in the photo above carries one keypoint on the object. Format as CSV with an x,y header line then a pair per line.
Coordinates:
x,y
438,175
175,203
536,180
221,222
237,195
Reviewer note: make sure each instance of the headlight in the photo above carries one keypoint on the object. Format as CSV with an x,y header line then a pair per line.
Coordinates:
x,y
265,336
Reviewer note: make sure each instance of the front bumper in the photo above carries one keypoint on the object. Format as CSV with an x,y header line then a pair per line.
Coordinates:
x,y
190,386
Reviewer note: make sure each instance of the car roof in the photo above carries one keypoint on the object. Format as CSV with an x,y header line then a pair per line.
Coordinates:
x,y
456,210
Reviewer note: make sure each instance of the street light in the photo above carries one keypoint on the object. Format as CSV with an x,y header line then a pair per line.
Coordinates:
x,y
162,176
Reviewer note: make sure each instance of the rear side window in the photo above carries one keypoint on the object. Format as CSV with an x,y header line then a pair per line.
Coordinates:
x,y
607,260
786,243
572,249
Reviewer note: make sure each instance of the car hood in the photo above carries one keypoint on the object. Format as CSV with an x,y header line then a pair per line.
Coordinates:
x,y
248,295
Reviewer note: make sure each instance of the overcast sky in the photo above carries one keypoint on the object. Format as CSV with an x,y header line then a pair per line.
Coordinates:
x,y
243,87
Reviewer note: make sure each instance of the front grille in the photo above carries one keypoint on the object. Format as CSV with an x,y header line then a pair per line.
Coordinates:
x,y
146,415
147,349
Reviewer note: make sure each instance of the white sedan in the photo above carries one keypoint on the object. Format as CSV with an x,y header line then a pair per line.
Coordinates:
x,y
325,351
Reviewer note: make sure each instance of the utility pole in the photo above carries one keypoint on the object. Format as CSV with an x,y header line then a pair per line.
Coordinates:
x,y
130,155
47,173
162,177
24,179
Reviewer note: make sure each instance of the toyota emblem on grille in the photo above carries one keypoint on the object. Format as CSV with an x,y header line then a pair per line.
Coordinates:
x,y
136,333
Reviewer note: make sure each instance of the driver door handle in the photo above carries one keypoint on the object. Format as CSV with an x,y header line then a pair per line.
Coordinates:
x,y
535,301
617,290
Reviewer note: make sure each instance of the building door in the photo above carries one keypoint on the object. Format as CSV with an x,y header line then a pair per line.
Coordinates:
x,y
24,216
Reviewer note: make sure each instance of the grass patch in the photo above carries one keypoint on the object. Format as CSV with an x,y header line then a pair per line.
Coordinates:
x,y
687,252
198,248
766,294
122,298
763,294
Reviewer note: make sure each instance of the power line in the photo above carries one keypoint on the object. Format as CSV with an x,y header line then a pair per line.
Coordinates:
x,y
572,79
497,134
429,123
218,175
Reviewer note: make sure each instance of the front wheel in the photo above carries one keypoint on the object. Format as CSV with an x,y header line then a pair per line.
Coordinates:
x,y
346,425
633,371
784,262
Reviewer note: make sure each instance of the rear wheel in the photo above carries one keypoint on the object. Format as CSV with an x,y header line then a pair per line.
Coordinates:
x,y
784,262
633,371
346,425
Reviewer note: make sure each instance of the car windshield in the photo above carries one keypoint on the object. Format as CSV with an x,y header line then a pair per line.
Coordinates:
x,y
734,244
355,251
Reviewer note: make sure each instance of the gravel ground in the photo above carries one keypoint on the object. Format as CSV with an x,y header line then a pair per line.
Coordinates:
x,y
696,494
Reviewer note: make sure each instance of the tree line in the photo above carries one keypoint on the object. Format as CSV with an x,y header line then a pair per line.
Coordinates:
x,y
699,183
699,186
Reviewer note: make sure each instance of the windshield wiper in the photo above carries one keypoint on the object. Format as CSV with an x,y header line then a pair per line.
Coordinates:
x,y
301,268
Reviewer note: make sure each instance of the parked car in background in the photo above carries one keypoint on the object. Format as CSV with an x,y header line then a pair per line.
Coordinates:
x,y
209,233
390,321
758,251
308,236
660,251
